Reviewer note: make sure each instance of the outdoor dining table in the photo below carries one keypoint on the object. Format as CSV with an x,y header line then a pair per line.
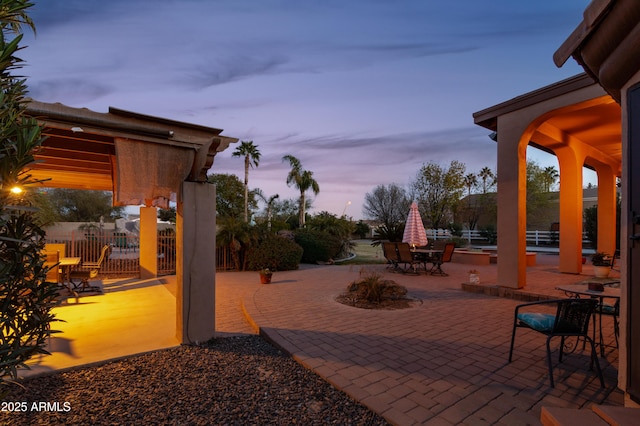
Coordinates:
x,y
577,290
66,264
425,255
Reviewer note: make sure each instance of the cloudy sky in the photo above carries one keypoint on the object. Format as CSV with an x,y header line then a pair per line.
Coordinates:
x,y
363,92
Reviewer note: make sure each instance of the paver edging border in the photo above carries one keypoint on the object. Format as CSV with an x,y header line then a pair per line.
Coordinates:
x,y
507,292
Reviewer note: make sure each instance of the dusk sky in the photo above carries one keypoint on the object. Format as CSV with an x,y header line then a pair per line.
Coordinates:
x,y
363,92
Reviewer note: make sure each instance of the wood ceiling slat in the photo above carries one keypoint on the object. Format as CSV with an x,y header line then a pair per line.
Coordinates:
x,y
49,152
65,163
81,136
70,168
79,145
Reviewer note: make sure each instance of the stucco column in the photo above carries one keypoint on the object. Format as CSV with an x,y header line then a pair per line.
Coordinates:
x,y
148,242
570,162
606,210
627,247
512,202
196,262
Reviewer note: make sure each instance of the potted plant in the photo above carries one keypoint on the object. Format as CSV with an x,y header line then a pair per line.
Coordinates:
x,y
265,275
474,276
601,264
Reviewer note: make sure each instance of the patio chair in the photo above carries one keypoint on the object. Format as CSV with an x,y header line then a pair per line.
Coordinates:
x,y
89,270
613,311
440,258
406,257
390,253
52,258
571,319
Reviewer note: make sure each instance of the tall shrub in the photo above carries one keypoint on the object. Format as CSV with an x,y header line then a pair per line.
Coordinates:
x,y
26,298
276,253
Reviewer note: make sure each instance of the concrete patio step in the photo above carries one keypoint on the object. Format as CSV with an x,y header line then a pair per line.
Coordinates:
x,y
598,415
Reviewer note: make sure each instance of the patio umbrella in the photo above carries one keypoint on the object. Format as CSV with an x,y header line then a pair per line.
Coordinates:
x,y
414,232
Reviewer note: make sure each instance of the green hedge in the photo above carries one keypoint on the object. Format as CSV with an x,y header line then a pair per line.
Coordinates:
x,y
276,253
318,246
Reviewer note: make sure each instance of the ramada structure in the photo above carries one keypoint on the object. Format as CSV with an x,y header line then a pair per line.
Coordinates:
x,y
590,120
145,161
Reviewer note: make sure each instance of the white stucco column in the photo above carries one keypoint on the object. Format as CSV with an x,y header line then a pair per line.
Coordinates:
x,y
570,161
606,209
512,202
196,262
148,242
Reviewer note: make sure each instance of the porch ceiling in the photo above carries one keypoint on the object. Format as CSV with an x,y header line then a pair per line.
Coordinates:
x,y
598,126
75,160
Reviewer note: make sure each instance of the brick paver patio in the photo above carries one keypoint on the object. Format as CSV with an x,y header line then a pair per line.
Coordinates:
x,y
443,361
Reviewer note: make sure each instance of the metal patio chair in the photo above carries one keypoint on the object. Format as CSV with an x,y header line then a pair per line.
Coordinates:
x,y
89,270
439,258
571,319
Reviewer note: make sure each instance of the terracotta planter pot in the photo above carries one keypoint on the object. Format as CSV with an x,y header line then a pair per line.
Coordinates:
x,y
601,271
265,278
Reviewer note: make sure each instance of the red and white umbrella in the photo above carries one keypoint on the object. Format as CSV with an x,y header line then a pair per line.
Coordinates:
x,y
414,232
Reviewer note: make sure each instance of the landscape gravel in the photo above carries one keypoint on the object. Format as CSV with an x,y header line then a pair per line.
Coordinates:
x,y
229,381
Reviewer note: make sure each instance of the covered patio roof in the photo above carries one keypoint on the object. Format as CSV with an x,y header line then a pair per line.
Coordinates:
x,y
594,122
151,161
80,151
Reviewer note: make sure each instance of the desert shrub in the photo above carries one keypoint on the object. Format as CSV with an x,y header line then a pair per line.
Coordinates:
x,y
318,246
590,216
374,289
490,234
458,241
393,233
455,229
276,253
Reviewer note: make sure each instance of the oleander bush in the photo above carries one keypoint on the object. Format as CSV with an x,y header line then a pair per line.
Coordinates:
x,y
318,246
276,253
25,295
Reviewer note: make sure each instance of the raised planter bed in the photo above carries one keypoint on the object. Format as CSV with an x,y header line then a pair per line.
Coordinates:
x,y
471,257
531,258
484,257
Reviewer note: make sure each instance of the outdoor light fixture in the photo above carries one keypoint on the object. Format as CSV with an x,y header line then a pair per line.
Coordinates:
x,y
16,190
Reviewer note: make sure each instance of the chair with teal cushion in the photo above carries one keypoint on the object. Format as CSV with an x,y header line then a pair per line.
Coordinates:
x,y
571,318
614,312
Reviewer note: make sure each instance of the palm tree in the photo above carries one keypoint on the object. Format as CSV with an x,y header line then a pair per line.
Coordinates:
x,y
269,201
486,174
251,156
470,180
550,176
303,180
233,234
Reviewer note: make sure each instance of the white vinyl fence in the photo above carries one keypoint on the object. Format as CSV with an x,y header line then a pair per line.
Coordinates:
x,y
533,237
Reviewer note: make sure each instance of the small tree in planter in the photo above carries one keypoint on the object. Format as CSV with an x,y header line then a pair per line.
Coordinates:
x,y
601,264
265,275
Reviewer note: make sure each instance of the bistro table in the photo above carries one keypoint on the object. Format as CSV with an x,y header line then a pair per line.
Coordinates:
x,y
426,255
577,290
66,264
